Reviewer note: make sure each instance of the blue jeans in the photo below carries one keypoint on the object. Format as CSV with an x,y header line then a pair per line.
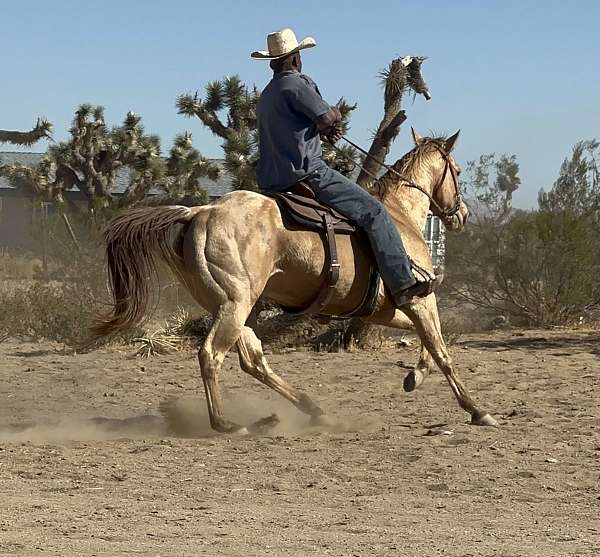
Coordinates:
x,y
343,195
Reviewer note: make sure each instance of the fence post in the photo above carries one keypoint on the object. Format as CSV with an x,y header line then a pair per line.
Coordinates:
x,y
70,231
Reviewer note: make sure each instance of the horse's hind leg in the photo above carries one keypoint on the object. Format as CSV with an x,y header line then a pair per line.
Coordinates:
x,y
225,330
253,362
423,313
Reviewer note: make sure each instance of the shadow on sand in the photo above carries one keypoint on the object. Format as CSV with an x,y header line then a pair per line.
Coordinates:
x,y
570,343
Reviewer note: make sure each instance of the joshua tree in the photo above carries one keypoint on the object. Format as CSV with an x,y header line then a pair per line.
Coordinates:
x,y
228,110
90,159
42,130
237,130
402,75
184,167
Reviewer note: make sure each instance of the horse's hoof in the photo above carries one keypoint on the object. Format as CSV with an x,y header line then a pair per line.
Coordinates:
x,y
230,428
322,420
413,380
265,424
484,419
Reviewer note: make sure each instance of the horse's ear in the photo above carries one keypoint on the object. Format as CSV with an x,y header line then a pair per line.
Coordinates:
x,y
417,137
450,142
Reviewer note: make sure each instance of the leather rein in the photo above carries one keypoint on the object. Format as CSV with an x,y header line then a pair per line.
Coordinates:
x,y
446,214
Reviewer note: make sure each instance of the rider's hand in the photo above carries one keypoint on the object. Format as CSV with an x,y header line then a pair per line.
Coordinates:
x,y
338,114
334,133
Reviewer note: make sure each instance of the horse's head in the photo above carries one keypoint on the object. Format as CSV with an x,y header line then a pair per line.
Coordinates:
x,y
439,179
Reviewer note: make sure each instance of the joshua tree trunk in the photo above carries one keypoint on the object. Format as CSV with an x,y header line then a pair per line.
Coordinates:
x,y
401,75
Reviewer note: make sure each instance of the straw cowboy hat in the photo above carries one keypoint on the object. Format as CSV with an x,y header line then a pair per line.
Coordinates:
x,y
281,43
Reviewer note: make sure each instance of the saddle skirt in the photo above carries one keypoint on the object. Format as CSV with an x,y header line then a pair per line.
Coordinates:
x,y
301,211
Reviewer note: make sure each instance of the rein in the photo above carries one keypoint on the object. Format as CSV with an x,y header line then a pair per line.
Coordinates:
x,y
444,214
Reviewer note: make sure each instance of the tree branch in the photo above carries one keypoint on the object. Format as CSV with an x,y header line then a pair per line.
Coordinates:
x,y
191,105
42,129
397,78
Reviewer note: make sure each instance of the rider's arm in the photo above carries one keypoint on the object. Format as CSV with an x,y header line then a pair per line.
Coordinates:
x,y
306,98
327,120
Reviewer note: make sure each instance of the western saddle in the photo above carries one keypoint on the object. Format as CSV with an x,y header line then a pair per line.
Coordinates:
x,y
300,210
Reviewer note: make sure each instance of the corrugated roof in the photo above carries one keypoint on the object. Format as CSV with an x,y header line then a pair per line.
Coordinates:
x,y
214,189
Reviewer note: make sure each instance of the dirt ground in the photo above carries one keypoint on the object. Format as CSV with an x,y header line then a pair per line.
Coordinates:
x,y
88,467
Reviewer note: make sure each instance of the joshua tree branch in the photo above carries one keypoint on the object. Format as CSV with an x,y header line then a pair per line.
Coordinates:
x,y
192,105
42,129
402,74
211,120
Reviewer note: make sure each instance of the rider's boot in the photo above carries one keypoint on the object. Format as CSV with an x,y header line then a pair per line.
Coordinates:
x,y
418,290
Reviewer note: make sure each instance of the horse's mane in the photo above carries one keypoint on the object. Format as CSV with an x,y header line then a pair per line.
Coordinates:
x,y
408,166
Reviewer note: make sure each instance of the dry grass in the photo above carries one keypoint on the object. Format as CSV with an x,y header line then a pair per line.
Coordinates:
x,y
18,267
172,336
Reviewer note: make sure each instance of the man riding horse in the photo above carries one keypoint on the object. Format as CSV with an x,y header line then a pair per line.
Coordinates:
x,y
292,116
230,252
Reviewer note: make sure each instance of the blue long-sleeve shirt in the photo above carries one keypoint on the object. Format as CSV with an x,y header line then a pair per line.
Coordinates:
x,y
289,142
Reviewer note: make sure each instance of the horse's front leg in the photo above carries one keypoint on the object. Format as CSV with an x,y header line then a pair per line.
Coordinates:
x,y
414,378
423,313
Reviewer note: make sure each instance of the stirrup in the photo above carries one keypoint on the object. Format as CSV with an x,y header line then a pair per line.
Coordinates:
x,y
418,290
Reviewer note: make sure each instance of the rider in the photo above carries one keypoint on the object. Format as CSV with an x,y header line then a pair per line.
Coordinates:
x,y
291,117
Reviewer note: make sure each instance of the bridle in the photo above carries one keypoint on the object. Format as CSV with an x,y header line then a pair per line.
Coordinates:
x,y
445,214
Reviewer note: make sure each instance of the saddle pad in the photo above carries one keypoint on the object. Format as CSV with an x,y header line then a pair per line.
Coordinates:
x,y
305,213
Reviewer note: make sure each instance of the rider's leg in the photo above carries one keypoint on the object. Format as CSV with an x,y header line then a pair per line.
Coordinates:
x,y
340,193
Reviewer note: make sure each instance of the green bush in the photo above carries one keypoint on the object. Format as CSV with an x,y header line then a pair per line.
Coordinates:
x,y
537,267
540,268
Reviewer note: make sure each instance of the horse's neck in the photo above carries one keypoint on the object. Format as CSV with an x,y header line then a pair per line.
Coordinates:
x,y
406,204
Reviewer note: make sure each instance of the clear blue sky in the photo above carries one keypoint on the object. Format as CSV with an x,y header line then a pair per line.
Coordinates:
x,y
516,76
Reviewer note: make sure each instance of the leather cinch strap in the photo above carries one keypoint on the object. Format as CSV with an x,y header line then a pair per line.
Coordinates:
x,y
333,269
326,226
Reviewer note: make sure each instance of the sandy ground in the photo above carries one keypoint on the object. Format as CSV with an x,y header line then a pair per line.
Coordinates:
x,y
87,466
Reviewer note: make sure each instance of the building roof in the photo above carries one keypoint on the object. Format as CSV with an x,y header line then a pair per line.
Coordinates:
x,y
213,188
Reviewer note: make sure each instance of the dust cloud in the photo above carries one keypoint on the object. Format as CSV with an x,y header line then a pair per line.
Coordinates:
x,y
188,417
84,429
185,417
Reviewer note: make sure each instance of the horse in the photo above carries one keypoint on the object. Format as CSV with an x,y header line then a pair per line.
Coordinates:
x,y
236,249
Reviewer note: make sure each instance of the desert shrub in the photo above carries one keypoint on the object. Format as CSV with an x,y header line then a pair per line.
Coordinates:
x,y
61,299
537,267
18,267
54,311
59,302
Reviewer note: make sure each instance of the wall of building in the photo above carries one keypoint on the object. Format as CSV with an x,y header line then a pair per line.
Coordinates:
x,y
435,236
16,223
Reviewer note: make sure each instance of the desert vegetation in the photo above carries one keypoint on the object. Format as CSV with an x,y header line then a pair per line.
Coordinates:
x,y
510,266
536,267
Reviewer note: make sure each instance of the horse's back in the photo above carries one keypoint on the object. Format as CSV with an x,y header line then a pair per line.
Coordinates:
x,y
245,209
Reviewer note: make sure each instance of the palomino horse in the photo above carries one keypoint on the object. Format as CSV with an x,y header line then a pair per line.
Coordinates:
x,y
230,252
